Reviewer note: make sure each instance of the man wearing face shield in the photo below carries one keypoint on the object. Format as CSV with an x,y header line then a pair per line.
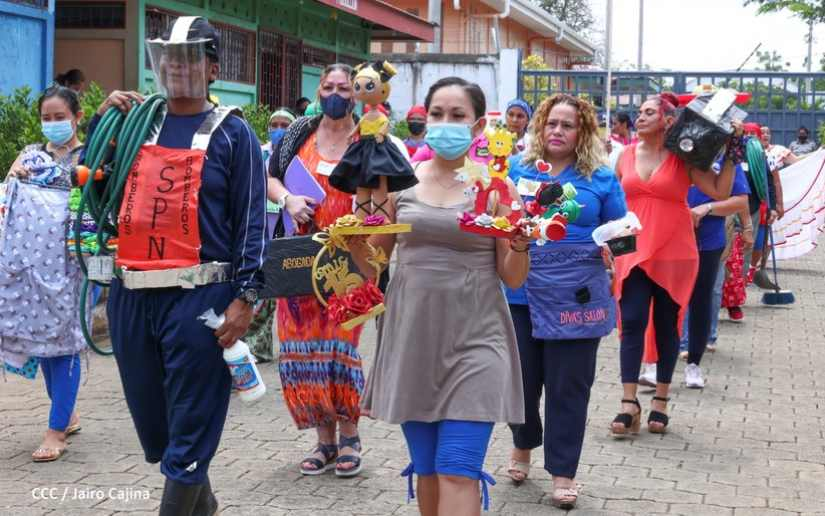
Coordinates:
x,y
194,200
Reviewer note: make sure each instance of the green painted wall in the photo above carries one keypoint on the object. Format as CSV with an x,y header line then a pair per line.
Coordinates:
x,y
315,24
310,79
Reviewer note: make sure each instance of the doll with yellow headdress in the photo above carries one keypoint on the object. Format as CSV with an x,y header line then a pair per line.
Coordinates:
x,y
372,165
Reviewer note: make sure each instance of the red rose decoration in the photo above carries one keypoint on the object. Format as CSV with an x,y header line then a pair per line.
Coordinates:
x,y
465,218
336,311
374,293
357,302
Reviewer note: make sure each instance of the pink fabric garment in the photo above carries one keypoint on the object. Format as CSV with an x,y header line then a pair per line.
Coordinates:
x,y
424,153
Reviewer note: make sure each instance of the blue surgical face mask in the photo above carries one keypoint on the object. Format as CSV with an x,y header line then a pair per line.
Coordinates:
x,y
335,106
275,135
58,132
449,140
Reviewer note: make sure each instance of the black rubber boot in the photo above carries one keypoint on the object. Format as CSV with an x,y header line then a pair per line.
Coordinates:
x,y
207,504
179,499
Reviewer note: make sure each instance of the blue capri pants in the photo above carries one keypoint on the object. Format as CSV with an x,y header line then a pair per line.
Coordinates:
x,y
448,447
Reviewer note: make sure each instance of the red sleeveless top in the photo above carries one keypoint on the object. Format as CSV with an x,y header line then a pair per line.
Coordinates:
x,y
666,246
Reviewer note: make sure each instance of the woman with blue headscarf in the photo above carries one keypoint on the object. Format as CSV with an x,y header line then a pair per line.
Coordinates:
x,y
517,116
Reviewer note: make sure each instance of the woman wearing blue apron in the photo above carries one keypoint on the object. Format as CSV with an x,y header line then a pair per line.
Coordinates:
x,y
565,306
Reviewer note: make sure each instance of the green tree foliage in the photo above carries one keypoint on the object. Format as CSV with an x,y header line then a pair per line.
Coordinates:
x,y
576,14
19,126
400,129
258,118
771,61
90,101
808,10
536,88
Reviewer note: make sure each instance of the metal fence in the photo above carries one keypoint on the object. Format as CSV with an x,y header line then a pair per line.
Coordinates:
x,y
782,101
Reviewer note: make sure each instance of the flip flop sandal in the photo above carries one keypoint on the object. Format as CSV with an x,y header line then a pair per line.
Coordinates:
x,y
355,444
518,471
44,454
329,451
73,429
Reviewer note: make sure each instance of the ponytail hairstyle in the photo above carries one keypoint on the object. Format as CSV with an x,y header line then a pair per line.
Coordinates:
x,y
71,78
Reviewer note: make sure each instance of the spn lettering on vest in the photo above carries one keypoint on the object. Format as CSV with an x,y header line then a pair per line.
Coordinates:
x,y
158,220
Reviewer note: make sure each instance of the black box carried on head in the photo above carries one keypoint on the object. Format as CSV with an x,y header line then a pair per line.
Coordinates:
x,y
703,128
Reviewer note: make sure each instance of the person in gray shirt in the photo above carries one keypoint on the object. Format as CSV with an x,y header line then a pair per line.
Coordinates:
x,y
802,145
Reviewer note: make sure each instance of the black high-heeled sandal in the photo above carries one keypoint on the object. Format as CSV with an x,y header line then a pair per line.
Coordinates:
x,y
624,423
656,418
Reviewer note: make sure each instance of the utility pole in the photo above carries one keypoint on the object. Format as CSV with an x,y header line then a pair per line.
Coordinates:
x,y
641,33
809,83
608,44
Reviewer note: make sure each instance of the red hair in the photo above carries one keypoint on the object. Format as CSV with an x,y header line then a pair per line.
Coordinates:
x,y
667,102
752,128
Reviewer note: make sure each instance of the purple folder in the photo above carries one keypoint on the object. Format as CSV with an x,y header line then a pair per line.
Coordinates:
x,y
299,181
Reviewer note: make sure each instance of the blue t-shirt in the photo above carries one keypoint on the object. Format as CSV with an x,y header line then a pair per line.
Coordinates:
x,y
232,197
710,235
602,198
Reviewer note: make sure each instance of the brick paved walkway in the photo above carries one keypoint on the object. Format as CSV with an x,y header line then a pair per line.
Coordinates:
x,y
751,443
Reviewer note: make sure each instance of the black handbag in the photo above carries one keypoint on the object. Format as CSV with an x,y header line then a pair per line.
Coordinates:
x,y
288,267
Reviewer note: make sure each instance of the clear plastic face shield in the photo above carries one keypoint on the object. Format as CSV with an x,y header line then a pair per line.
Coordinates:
x,y
181,69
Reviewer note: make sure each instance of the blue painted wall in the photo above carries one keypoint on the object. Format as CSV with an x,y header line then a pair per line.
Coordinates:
x,y
27,52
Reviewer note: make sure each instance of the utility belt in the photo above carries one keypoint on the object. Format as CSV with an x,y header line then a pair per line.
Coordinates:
x,y
102,269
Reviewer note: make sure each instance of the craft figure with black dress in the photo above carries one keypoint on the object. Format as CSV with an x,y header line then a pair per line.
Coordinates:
x,y
373,165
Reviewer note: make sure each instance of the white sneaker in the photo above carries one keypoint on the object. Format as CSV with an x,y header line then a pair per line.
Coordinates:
x,y
648,376
693,377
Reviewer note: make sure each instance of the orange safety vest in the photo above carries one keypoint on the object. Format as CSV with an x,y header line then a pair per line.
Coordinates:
x,y
158,219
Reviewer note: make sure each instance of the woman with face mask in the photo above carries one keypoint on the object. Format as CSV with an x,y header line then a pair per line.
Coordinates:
x,y
57,284
446,365
319,363
662,271
417,123
279,121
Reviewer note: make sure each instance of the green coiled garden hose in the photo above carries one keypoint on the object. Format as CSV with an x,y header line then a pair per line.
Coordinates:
x,y
112,149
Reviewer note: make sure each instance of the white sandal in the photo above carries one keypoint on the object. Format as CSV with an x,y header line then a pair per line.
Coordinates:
x,y
565,497
518,471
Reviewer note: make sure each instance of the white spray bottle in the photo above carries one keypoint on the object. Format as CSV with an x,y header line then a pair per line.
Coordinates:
x,y
245,376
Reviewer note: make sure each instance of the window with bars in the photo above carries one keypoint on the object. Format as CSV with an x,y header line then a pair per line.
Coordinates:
x,y
90,15
280,79
236,47
318,57
237,54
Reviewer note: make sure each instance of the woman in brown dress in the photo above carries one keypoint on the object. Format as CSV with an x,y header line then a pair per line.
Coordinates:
x,y
446,365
